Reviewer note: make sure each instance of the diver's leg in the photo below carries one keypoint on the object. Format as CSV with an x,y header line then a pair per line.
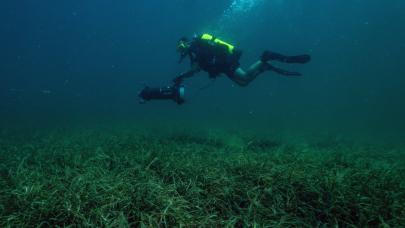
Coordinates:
x,y
268,56
238,77
243,78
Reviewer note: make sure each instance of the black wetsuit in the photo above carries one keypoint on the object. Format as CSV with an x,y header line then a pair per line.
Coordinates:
x,y
213,58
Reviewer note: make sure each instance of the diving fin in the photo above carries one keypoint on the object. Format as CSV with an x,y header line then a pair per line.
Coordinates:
x,y
268,55
282,71
298,59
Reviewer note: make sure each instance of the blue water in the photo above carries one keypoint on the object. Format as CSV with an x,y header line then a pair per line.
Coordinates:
x,y
67,63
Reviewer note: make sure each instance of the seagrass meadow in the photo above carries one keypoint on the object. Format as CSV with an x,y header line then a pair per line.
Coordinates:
x,y
128,178
202,113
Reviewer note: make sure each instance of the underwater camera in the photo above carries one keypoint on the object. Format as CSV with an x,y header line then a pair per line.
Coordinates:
x,y
175,93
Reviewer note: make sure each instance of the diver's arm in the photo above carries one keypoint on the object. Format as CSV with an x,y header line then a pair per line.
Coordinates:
x,y
188,74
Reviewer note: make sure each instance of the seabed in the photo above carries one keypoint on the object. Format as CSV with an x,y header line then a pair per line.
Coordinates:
x,y
125,178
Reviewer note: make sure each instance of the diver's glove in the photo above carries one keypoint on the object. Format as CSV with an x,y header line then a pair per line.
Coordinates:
x,y
178,80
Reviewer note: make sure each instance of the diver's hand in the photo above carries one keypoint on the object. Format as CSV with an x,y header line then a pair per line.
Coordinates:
x,y
188,74
178,80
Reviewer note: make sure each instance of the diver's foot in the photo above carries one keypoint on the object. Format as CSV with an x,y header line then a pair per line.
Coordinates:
x,y
268,55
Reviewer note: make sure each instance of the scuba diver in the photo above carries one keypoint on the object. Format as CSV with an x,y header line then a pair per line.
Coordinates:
x,y
216,57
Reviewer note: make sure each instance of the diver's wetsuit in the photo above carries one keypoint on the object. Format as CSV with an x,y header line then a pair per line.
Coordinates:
x,y
214,59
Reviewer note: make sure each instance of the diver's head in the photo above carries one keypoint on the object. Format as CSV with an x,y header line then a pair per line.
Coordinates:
x,y
183,46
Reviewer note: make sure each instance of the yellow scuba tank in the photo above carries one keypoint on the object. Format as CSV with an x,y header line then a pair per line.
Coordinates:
x,y
211,38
